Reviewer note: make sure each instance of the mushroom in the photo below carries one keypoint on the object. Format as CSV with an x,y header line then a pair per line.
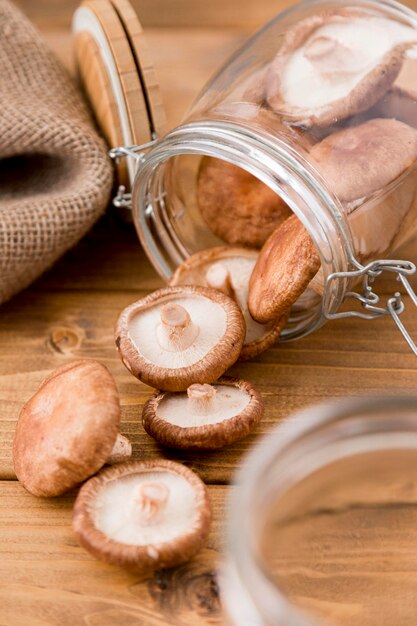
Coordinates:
x,y
400,102
143,515
205,417
69,429
237,207
285,266
335,65
360,162
180,335
229,270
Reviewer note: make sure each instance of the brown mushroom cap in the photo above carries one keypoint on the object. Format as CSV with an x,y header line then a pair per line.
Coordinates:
x,y
238,263
237,207
206,417
359,161
67,430
335,65
285,266
359,164
143,515
214,333
400,102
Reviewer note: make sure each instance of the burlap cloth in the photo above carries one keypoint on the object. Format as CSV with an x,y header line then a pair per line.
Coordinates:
x,y
55,176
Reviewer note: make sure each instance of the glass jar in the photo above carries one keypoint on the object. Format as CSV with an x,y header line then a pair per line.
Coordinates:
x,y
322,521
320,107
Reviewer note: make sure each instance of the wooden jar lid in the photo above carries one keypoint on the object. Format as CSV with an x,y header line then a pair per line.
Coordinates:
x,y
118,76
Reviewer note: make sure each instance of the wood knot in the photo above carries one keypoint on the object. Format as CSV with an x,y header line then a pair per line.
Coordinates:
x,y
64,340
185,591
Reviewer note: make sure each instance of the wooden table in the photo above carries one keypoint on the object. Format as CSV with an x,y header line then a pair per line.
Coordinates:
x,y
46,578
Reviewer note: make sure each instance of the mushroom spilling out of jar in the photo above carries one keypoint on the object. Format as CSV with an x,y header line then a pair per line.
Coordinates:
x,y
143,515
179,336
229,269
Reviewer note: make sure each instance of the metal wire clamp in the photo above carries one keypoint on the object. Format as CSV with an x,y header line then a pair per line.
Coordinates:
x,y
122,199
370,300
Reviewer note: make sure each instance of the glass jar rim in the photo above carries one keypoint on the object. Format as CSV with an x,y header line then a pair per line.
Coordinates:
x,y
277,164
242,570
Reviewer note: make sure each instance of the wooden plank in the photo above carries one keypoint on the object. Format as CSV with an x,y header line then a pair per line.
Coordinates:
x,y
41,329
353,564
340,562
349,357
243,13
48,579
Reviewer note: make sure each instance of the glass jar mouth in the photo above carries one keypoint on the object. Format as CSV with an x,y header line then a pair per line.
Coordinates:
x,y
275,163
306,443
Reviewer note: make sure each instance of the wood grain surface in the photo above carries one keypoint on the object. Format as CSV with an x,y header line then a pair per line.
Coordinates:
x,y
236,13
47,579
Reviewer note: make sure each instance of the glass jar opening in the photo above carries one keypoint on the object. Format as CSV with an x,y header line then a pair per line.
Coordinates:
x,y
171,228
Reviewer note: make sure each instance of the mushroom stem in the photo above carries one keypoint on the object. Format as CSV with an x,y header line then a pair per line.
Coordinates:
x,y
148,502
319,47
201,399
218,277
176,332
329,55
122,450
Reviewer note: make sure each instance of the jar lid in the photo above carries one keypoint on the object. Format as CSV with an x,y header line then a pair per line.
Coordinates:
x,y
118,76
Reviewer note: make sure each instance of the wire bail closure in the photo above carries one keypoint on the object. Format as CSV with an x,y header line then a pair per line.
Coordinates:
x,y
122,199
370,300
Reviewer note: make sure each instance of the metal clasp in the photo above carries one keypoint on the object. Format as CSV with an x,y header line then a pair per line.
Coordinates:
x,y
370,300
137,152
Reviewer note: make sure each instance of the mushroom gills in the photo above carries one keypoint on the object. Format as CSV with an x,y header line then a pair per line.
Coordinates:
x,y
218,277
239,271
122,509
185,410
231,275
151,336
354,47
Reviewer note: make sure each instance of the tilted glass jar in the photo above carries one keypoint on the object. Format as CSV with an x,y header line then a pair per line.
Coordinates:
x,y
321,107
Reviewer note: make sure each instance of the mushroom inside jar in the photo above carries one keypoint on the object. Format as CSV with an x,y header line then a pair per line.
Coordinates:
x,y
332,66
371,169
